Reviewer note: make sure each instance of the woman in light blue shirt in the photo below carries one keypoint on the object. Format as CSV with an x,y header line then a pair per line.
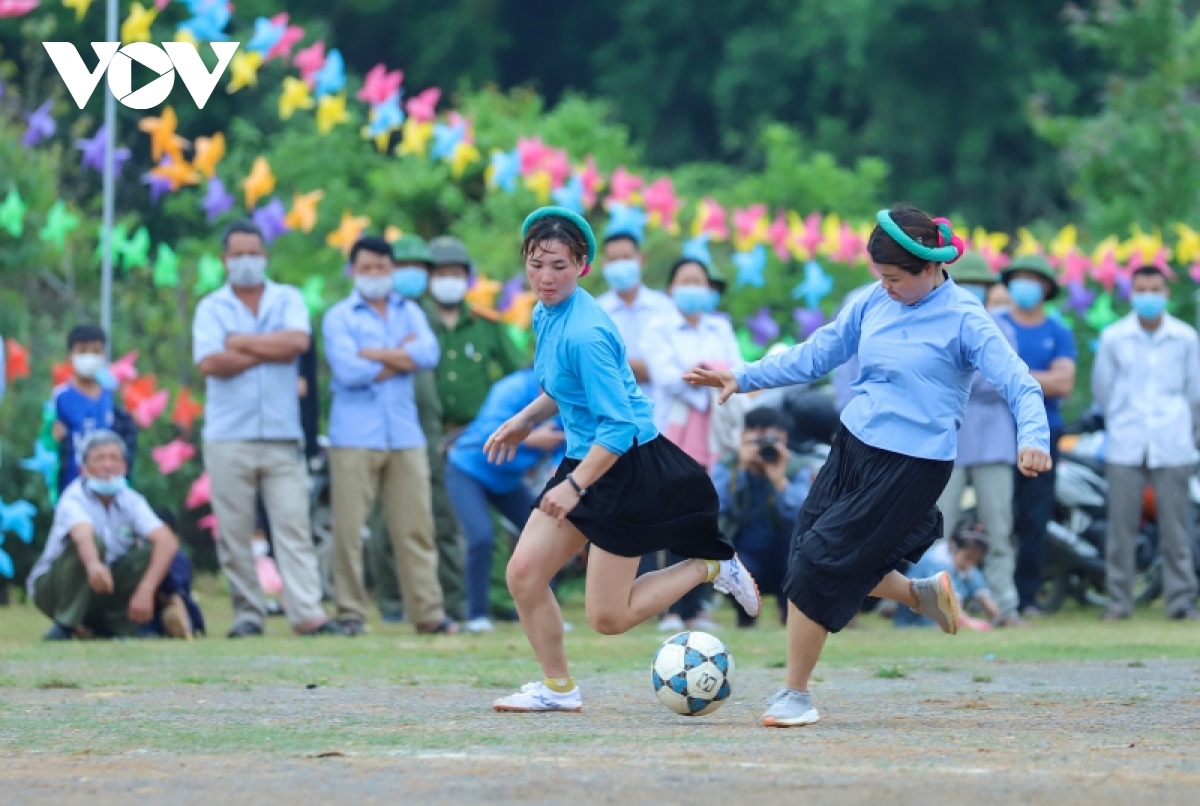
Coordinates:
x,y
872,509
620,487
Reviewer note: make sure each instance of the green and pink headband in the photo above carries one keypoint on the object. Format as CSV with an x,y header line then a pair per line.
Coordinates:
x,y
949,248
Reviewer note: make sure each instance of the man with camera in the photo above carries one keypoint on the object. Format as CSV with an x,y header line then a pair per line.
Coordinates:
x,y
761,487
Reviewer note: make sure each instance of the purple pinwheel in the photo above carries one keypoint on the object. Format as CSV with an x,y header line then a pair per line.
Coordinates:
x,y
763,327
93,152
269,219
1124,286
808,320
158,184
509,292
217,200
41,125
1079,298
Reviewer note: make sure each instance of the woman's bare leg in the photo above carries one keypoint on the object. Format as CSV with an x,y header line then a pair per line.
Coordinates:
x,y
805,640
544,548
618,600
897,587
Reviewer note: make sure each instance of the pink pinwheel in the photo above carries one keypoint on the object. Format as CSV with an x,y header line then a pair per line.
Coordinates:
x,y
1073,266
421,107
1106,270
17,8
200,493
851,248
710,218
208,522
557,163
1194,272
150,409
662,204
379,85
804,235
749,226
777,236
624,186
309,60
592,181
170,457
291,36
1158,260
124,369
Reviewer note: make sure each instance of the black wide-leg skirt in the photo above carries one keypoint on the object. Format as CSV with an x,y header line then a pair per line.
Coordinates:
x,y
654,498
870,512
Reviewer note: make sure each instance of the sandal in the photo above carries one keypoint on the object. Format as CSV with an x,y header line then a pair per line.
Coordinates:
x,y
447,626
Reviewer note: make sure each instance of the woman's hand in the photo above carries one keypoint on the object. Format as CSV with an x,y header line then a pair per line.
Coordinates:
x,y
559,501
1031,461
501,446
546,437
718,379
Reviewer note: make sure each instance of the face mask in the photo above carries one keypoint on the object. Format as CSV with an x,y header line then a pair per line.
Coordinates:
x,y
372,287
979,291
1026,294
693,299
410,282
246,271
623,275
86,365
1149,305
448,290
106,486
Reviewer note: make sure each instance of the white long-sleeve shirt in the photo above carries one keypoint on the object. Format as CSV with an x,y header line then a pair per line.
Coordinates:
x,y
1148,386
672,346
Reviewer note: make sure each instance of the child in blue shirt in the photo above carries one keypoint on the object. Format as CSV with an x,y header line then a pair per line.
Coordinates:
x,y
960,559
82,405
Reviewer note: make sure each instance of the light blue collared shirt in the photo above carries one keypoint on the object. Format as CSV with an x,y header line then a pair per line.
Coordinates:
x,y
918,362
377,415
262,403
580,363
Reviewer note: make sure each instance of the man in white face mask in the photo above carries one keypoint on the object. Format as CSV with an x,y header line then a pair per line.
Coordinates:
x,y
629,303
82,404
246,337
376,340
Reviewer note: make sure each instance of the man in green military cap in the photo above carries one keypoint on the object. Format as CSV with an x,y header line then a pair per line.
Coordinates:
x,y
476,349
1048,347
411,251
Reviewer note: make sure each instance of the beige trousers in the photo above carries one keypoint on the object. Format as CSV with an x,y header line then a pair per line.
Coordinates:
x,y
357,475
237,471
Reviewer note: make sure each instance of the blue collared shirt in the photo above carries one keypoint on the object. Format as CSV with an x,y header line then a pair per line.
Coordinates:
x,y
377,415
580,363
262,403
918,362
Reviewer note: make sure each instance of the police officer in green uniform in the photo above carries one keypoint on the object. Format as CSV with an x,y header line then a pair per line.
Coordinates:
x,y
476,348
411,250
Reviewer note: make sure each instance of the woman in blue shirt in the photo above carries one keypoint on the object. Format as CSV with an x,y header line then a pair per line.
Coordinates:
x,y
620,487
872,509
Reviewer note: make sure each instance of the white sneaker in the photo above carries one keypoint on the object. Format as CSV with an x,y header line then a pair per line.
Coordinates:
x,y
538,696
704,623
671,623
735,580
479,625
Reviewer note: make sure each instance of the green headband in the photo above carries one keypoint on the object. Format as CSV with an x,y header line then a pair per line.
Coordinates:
x,y
570,215
949,252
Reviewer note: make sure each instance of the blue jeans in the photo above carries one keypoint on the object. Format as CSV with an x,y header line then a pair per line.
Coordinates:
x,y
472,504
1034,503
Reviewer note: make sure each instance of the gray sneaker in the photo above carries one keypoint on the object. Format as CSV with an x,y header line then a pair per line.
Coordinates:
x,y
790,709
937,600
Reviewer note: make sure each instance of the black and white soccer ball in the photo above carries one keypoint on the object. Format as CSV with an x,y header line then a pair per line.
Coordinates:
x,y
692,673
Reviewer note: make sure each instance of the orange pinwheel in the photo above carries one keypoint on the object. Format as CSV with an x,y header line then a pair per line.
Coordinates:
x,y
18,360
136,392
163,139
186,409
209,151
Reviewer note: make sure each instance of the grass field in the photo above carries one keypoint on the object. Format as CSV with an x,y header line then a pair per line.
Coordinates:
x,y
392,704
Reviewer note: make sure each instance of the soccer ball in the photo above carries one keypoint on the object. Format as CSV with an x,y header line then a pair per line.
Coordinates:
x,y
692,673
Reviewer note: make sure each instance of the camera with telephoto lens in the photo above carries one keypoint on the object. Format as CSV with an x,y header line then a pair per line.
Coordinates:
x,y
768,451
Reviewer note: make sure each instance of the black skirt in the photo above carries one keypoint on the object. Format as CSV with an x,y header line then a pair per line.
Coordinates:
x,y
654,498
869,512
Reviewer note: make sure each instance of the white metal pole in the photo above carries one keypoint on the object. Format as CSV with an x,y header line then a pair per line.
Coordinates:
x,y
110,145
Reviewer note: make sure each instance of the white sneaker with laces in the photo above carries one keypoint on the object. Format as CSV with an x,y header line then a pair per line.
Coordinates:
x,y
537,696
671,623
735,580
479,625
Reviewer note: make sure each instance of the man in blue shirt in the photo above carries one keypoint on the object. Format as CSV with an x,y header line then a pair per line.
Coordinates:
x,y
375,340
81,405
246,337
1048,347
761,489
